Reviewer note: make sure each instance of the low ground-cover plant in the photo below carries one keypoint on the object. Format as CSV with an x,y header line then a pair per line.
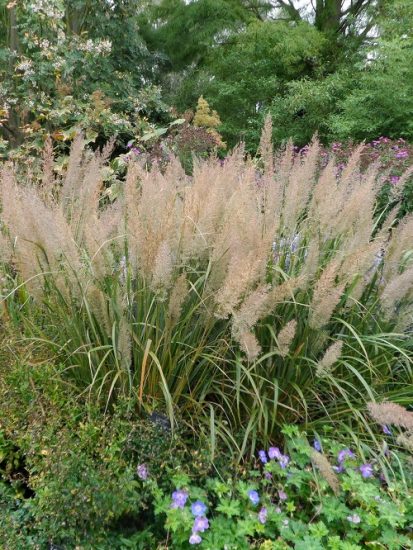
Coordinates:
x,y
245,296
69,478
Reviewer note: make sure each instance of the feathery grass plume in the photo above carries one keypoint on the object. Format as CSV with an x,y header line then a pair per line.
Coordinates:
x,y
326,296
406,441
404,322
391,413
323,465
98,303
74,173
286,336
399,288
239,281
249,345
299,188
97,267
177,297
331,356
48,181
248,314
401,241
43,238
253,307
162,271
325,202
397,190
356,216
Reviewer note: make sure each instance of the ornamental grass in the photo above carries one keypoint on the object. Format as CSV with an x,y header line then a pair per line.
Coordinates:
x,y
251,293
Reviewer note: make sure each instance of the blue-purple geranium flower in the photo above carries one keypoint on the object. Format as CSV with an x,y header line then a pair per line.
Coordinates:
x,y
142,471
179,498
198,508
345,453
366,470
317,445
200,525
262,515
263,456
283,461
254,497
195,539
274,453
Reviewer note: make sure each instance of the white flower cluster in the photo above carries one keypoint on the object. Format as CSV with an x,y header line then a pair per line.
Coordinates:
x,y
26,67
50,8
103,47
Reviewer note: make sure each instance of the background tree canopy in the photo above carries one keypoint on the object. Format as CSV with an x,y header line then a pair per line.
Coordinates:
x,y
342,68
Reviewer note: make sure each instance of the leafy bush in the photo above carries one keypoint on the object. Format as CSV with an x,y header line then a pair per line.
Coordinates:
x,y
246,296
68,475
122,482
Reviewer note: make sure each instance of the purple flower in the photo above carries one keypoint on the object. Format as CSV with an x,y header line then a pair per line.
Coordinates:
x,y
317,445
195,539
283,461
254,497
366,470
262,515
274,452
200,525
282,495
198,508
142,471
267,475
339,469
386,429
355,518
179,498
394,179
136,150
345,453
402,154
263,456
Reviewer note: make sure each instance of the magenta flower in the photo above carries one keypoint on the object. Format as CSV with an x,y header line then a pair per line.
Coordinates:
x,y
262,515
402,154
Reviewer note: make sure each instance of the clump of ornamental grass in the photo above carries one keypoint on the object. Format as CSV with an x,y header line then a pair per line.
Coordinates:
x,y
251,293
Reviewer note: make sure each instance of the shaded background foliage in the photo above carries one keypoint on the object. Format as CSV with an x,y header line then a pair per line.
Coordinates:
x,y
330,68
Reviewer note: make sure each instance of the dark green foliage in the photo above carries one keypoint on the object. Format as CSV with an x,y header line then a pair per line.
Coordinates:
x,y
77,484
256,66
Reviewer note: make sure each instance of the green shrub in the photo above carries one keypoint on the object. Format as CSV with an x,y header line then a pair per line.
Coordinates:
x,y
69,475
